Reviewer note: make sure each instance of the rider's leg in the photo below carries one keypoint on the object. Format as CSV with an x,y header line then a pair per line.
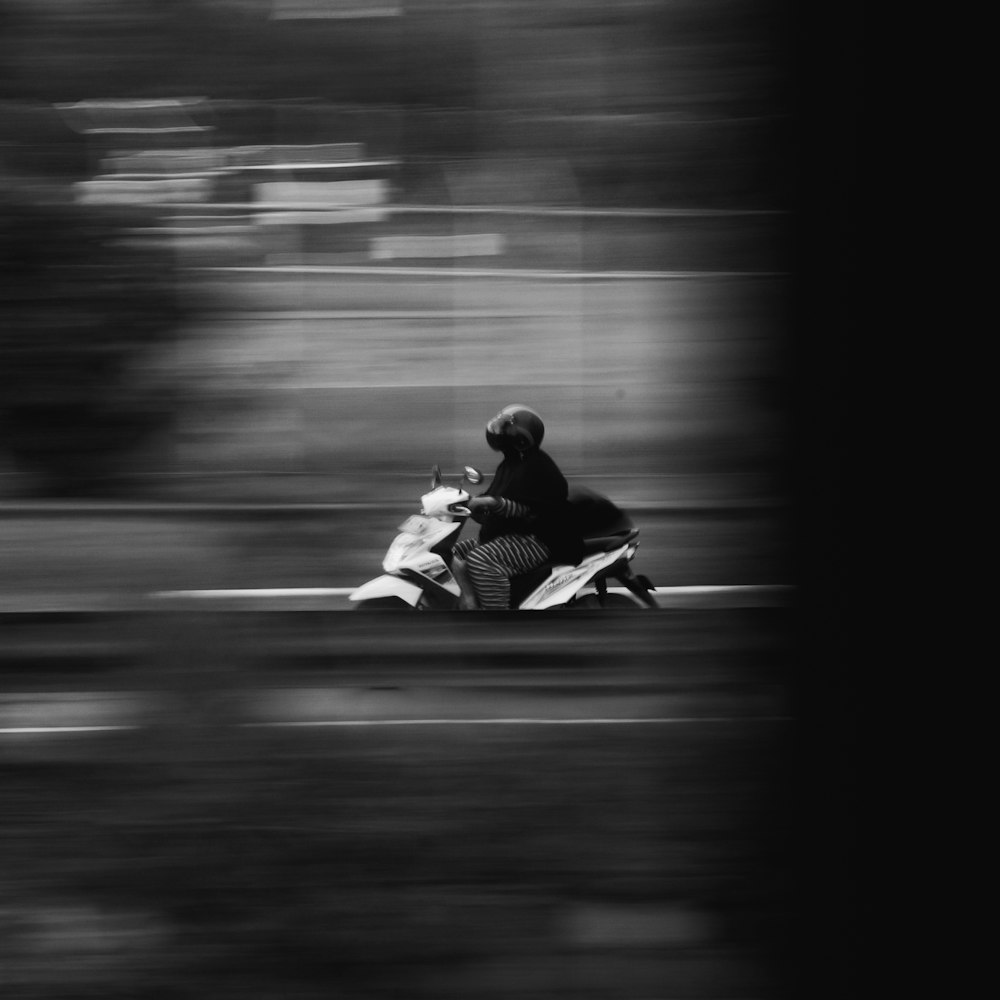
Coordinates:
x,y
490,567
460,570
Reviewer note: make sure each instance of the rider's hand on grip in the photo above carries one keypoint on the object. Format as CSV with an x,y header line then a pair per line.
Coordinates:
x,y
482,507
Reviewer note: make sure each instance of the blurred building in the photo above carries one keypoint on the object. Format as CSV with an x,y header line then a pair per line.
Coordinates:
x,y
400,221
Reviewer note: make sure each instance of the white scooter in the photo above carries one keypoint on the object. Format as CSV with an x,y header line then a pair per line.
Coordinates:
x,y
418,571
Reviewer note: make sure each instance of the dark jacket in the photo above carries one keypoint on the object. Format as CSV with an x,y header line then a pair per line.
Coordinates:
x,y
534,481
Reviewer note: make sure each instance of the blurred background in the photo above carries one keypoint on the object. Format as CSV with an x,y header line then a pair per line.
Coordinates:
x,y
298,252
262,264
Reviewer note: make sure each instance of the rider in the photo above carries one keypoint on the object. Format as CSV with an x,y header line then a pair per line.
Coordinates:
x,y
525,516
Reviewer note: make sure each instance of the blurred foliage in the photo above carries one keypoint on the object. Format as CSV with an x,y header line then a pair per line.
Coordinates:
x,y
84,305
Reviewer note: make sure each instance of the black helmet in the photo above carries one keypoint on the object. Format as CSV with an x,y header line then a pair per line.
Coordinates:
x,y
515,428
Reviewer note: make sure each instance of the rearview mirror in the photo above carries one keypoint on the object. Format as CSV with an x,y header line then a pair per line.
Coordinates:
x,y
473,476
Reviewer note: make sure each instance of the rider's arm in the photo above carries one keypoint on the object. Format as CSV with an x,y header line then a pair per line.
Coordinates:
x,y
501,507
511,508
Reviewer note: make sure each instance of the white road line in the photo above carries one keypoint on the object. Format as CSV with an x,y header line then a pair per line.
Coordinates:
x,y
447,272
344,591
48,730
376,723
163,598
515,721
261,593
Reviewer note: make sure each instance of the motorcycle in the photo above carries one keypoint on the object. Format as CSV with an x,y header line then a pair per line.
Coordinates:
x,y
418,564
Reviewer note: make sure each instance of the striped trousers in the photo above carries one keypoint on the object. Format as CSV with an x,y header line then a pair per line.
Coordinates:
x,y
492,564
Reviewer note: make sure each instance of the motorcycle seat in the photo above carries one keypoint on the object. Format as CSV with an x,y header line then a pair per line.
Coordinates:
x,y
608,543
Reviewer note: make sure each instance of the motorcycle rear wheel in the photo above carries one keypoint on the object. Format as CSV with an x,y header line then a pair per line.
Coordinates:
x,y
610,602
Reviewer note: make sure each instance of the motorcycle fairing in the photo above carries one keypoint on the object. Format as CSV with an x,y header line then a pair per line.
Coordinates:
x,y
388,586
410,544
437,502
429,569
565,581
